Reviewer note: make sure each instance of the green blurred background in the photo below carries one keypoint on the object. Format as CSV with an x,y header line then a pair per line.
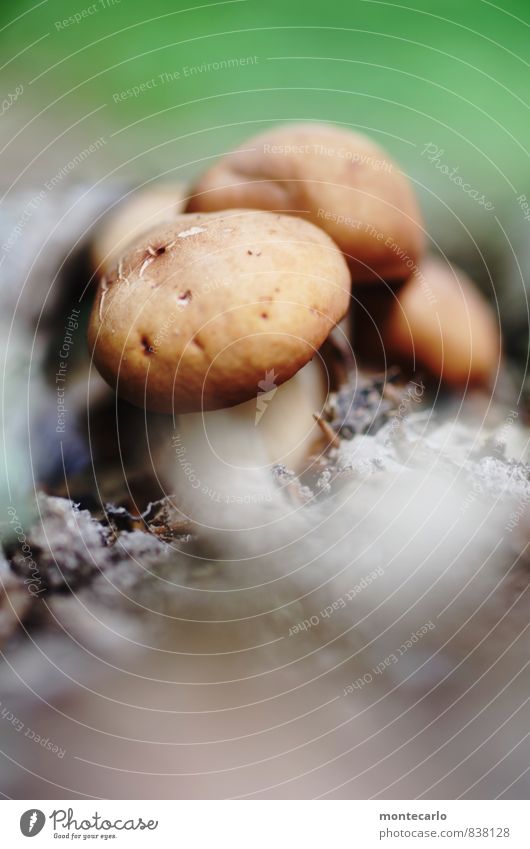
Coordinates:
x,y
454,74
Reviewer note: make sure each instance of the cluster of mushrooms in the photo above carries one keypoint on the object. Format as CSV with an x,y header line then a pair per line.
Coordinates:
x,y
210,294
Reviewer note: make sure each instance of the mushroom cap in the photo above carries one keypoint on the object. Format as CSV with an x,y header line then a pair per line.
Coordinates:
x,y
340,180
215,309
134,215
438,321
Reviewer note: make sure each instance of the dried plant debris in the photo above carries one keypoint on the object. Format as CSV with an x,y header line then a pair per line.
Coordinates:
x,y
419,440
166,521
383,424
364,404
68,547
161,518
291,485
112,550
65,546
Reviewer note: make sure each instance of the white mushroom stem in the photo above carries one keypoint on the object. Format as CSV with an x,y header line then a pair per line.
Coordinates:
x,y
226,456
223,462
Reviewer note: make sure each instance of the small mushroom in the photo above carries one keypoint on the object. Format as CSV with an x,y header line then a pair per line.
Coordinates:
x,y
148,207
337,179
202,313
437,322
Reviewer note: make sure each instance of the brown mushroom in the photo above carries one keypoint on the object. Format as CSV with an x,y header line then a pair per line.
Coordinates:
x,y
437,322
337,179
198,314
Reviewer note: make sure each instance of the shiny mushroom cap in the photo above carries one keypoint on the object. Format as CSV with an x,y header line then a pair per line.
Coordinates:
x,y
215,309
